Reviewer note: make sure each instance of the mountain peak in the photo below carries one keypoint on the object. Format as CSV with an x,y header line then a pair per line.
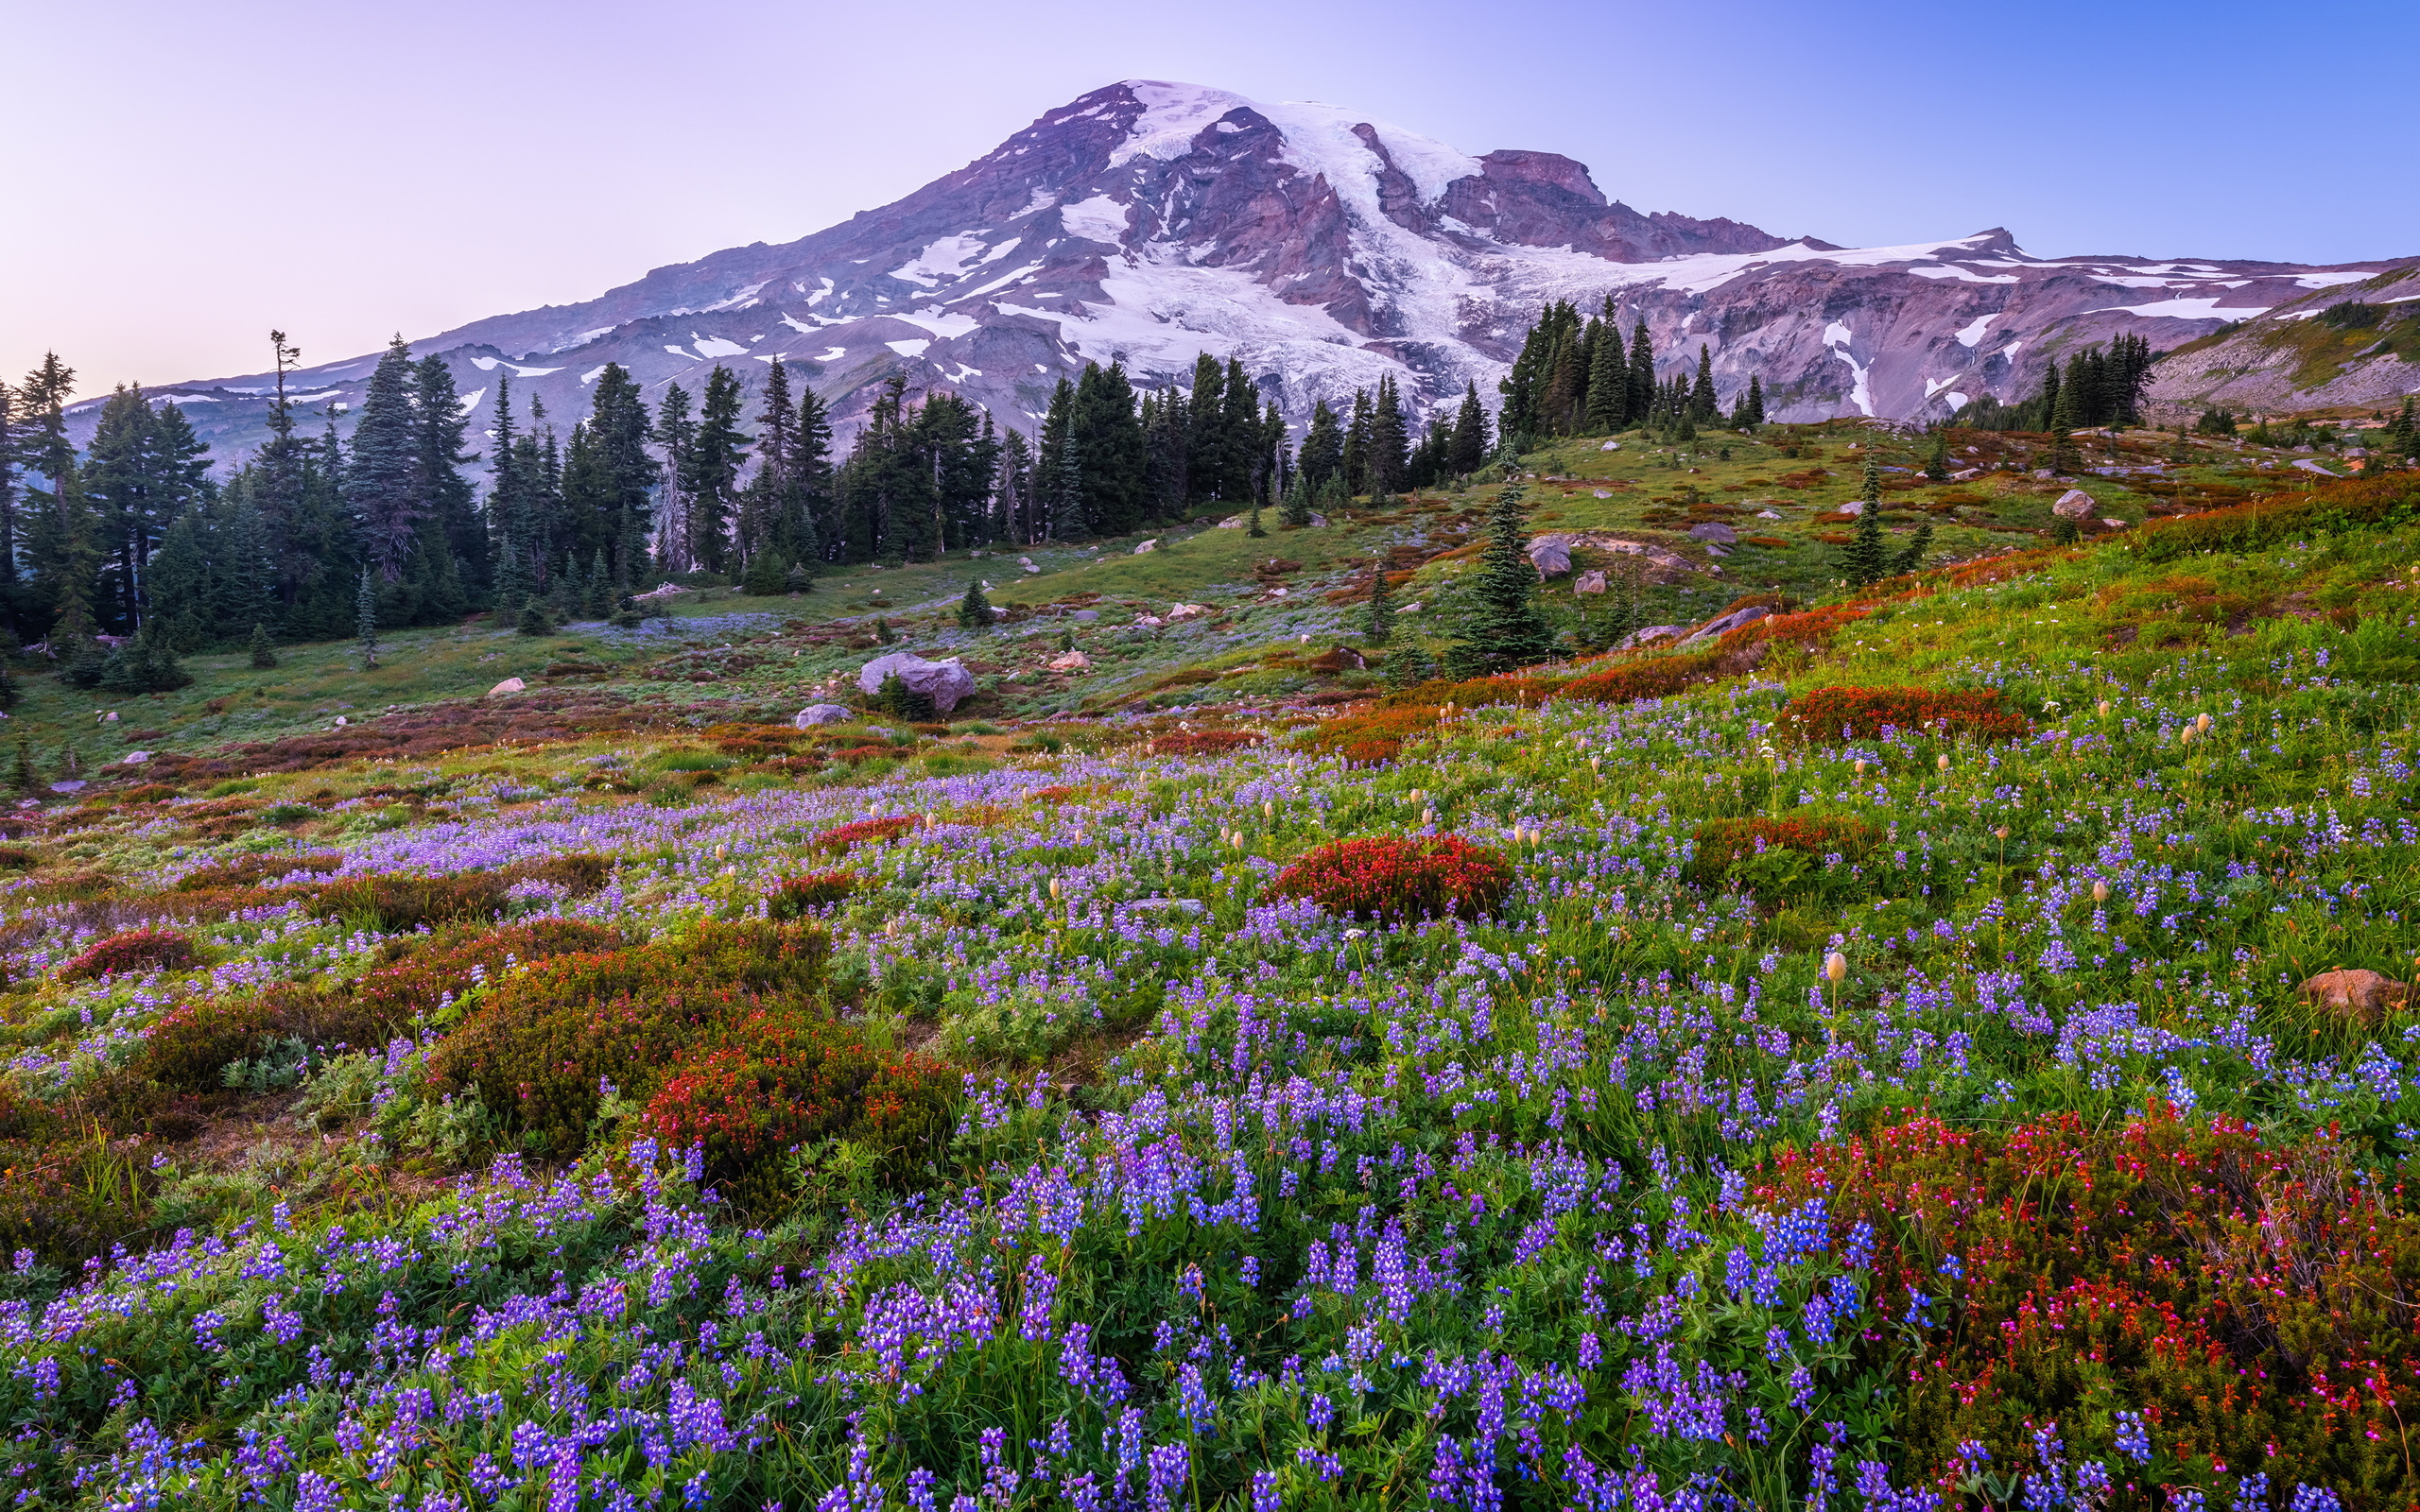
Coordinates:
x,y
1152,221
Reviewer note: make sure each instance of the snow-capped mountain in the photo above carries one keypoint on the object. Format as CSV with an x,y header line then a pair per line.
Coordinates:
x,y
1155,221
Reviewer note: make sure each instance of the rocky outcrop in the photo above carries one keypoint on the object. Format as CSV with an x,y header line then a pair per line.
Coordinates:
x,y
945,683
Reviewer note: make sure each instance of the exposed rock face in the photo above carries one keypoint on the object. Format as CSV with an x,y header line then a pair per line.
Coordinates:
x,y
1154,221
1551,556
943,682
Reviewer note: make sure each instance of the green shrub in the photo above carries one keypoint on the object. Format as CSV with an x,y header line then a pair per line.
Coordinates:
x,y
796,897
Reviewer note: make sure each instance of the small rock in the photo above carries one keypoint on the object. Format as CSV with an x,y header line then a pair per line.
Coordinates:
x,y
1713,550
1727,622
1591,582
1150,622
136,758
2114,525
1086,615
1768,514
1187,611
2361,995
1611,446
1150,545
1650,635
1413,608
110,718
1027,563
2074,504
1070,661
1232,521
1854,507
507,685
1965,474
1714,531
342,721
71,785
822,713
1605,493
1319,520
1279,591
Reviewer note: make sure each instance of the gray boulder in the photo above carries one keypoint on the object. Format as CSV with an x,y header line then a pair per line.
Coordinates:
x,y
825,713
2075,505
1727,622
1714,531
1551,556
945,683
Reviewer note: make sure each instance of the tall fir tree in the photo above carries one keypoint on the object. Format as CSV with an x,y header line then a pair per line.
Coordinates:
x,y
1642,374
1608,379
711,483
1380,624
1322,452
1706,408
458,539
1470,445
1503,628
1384,455
384,484
676,436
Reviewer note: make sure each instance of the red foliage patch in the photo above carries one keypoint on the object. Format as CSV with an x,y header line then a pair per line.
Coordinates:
x,y
2253,1302
1390,881
865,831
795,897
1376,736
780,1077
1847,713
137,950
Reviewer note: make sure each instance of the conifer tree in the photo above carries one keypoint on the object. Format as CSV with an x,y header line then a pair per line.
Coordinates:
x,y
448,498
365,620
1356,446
1251,521
1704,409
714,462
1323,453
533,619
383,484
1642,375
1870,485
1937,455
1752,408
1865,559
767,574
1383,455
1468,452
975,610
22,775
264,651
1913,555
1382,614
1504,628
1608,380
1296,512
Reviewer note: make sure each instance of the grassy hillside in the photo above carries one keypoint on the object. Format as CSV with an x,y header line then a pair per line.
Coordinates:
x,y
1882,1064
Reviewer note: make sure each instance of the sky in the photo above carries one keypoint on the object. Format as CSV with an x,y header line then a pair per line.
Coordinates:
x,y
184,177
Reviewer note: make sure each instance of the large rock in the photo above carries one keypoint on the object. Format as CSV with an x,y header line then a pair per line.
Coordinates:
x,y
1070,661
1551,556
1591,582
2361,996
1716,532
1722,623
823,713
507,685
943,682
2075,505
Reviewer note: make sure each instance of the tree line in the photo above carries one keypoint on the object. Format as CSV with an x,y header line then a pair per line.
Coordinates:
x,y
2098,387
320,533
1574,377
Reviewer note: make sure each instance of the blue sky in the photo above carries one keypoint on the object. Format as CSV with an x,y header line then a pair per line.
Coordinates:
x,y
185,176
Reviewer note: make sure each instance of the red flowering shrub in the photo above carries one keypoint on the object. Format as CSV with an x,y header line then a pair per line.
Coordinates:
x,y
539,1044
1658,678
795,897
780,1077
1844,713
391,901
865,831
396,994
2258,1304
1390,881
1379,735
136,950
1202,742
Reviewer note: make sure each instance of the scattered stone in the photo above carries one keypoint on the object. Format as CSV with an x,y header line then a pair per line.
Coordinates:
x,y
943,682
507,685
75,784
1590,582
1611,446
2074,504
1085,614
822,713
1724,623
1026,562
1647,636
1967,474
1150,622
2361,995
1318,521
1713,550
342,721
1768,514
1070,661
136,758
1854,507
2114,525
1413,608
1187,611
1232,521
1150,545
1551,556
662,591
110,718
1603,493
1714,531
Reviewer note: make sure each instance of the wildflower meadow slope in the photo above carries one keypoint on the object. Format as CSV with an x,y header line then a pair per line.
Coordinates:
x,y
1757,1094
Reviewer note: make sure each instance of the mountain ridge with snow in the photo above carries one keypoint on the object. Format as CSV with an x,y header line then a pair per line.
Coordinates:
x,y
1150,222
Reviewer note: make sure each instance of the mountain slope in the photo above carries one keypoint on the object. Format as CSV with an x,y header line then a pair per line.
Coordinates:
x,y
1154,221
